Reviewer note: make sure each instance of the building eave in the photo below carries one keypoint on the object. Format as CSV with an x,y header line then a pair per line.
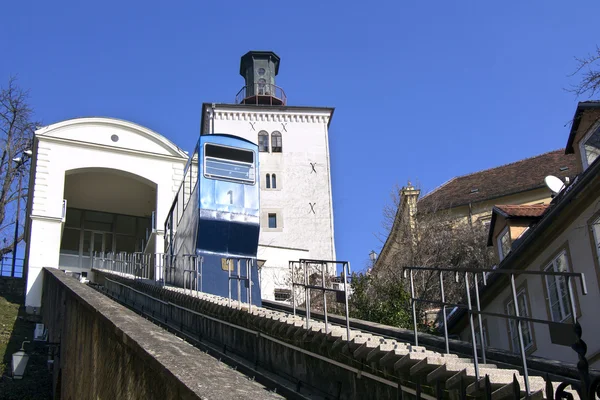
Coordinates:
x,y
555,217
581,107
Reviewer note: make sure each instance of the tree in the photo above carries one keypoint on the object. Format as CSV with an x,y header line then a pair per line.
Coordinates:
x,y
16,132
589,68
434,238
379,301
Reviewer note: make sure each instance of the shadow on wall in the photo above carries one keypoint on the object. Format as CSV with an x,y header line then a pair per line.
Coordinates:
x,y
15,327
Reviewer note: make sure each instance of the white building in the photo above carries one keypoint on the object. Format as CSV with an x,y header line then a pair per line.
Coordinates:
x,y
296,199
101,184
97,185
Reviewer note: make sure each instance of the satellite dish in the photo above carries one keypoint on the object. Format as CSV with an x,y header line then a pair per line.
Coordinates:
x,y
554,184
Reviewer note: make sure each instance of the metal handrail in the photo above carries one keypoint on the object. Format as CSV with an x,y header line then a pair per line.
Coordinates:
x,y
582,365
240,278
303,264
261,90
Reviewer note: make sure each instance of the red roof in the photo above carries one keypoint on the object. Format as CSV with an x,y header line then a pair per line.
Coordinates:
x,y
526,211
519,176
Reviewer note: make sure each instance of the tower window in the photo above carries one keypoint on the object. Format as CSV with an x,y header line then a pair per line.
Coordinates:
x,y
276,142
268,184
261,86
272,220
273,181
263,141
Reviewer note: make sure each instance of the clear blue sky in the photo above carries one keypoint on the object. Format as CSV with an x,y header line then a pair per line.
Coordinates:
x,y
423,90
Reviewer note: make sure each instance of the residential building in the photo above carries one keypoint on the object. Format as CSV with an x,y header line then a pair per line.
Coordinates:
x,y
562,236
471,197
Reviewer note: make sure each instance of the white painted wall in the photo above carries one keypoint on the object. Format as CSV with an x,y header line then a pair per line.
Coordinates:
x,y
304,141
85,144
581,252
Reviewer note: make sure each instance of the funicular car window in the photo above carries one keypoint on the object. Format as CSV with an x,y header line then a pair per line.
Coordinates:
x,y
228,163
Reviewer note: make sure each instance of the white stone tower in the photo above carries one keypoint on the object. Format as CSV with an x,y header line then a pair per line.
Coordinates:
x,y
296,199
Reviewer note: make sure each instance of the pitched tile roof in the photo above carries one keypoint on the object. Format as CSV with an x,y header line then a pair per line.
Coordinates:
x,y
526,211
500,181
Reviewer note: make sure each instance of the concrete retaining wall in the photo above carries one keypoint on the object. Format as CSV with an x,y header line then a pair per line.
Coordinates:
x,y
109,352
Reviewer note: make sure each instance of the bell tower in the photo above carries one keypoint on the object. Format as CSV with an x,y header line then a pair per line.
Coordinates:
x,y
259,69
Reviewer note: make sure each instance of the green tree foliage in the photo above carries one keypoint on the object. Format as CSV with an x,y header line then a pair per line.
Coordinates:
x,y
381,302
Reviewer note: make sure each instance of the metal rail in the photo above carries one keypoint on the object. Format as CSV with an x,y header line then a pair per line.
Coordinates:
x,y
303,265
359,373
585,388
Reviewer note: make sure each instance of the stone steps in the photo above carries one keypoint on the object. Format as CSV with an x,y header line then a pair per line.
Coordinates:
x,y
404,359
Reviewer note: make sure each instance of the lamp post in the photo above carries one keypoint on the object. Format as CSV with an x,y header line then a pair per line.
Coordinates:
x,y
373,257
20,161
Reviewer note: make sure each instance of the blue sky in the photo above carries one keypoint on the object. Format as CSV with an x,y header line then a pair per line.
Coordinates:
x,y
423,90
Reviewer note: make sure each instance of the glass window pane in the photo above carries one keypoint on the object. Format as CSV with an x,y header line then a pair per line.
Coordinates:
x,y
70,241
263,141
268,183
274,181
98,221
592,147
143,227
108,243
276,142
125,224
125,243
73,218
272,220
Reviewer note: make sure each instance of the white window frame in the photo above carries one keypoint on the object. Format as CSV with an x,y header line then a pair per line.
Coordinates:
x,y
584,157
512,323
503,233
564,309
596,236
269,220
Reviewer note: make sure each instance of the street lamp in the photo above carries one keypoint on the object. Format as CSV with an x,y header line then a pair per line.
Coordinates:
x,y
19,161
373,257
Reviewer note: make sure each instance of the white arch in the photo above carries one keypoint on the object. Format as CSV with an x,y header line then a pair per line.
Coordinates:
x,y
61,129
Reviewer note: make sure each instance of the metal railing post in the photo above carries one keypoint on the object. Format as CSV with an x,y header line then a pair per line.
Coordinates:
x,y
228,282
307,294
291,263
444,312
239,285
472,327
477,304
413,306
249,269
324,296
345,277
520,332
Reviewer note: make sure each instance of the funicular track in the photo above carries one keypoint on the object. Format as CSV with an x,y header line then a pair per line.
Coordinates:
x,y
284,386
401,362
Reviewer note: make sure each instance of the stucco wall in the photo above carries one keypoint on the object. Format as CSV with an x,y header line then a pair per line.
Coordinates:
x,y
86,145
581,253
109,352
305,145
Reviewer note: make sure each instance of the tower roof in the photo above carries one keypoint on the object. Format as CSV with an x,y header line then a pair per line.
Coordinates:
x,y
247,58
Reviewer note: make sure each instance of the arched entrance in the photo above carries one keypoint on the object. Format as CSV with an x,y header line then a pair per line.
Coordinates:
x,y
107,210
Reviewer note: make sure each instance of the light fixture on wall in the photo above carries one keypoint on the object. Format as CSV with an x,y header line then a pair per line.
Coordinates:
x,y
373,256
19,362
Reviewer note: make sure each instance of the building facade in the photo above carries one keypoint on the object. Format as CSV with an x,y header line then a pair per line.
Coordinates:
x,y
471,197
97,185
296,197
563,236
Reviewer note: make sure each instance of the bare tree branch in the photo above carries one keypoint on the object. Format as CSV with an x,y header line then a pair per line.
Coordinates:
x,y
16,133
589,69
